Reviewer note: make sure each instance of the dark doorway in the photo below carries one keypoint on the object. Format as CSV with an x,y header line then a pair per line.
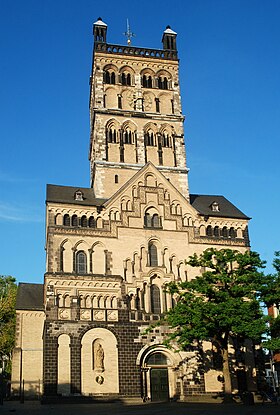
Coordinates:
x,y
159,385
242,381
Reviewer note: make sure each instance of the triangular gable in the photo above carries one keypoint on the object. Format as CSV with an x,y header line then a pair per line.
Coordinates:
x,y
140,176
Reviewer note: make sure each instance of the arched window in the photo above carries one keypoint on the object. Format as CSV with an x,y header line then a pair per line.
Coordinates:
x,y
153,257
74,220
127,137
126,79
232,233
119,102
216,231
225,232
209,230
147,220
162,82
166,140
81,263
109,77
157,104
111,135
147,81
91,222
157,359
84,222
149,138
155,299
156,221
66,220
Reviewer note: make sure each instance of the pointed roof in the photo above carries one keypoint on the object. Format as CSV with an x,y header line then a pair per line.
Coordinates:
x,y
99,22
169,31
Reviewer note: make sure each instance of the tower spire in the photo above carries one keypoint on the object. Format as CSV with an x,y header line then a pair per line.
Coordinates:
x,y
128,33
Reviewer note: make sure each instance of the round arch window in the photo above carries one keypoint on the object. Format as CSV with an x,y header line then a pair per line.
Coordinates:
x,y
157,359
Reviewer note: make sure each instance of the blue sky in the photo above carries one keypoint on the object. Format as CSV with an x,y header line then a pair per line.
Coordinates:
x,y
230,85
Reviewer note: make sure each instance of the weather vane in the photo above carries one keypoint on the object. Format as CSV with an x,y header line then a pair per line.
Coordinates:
x,y
128,33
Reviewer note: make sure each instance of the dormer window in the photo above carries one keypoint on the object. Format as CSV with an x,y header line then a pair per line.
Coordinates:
x,y
215,207
79,195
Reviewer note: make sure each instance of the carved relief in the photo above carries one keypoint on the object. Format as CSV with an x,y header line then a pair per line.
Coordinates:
x,y
99,315
112,315
64,314
85,315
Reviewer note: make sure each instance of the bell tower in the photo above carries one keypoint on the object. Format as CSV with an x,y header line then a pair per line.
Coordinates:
x,y
135,113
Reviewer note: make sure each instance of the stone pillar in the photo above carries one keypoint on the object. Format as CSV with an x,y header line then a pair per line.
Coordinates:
x,y
75,365
49,363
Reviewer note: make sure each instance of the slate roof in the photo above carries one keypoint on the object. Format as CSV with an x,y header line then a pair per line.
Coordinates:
x,y
66,194
203,204
30,296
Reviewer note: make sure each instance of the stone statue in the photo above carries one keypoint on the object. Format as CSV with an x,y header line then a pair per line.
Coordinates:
x,y
98,357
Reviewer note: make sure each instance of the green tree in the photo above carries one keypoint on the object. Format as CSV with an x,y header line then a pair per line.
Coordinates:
x,y
221,304
8,289
271,298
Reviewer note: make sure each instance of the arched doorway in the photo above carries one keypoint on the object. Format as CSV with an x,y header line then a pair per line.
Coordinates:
x,y
159,384
159,374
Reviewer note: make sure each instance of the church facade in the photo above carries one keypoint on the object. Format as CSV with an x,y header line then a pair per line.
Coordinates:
x,y
111,248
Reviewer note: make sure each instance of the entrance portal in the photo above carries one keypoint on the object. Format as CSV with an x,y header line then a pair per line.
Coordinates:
x,y
159,384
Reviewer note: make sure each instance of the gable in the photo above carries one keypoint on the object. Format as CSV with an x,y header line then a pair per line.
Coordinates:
x,y
153,189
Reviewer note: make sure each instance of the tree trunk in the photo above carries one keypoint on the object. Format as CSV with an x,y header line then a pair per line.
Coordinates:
x,y
226,373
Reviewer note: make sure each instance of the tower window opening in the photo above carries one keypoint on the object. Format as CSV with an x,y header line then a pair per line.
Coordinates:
x,y
162,82
149,138
157,105
172,106
147,81
116,178
109,77
112,135
127,137
160,158
153,257
166,141
81,262
126,79
121,154
119,102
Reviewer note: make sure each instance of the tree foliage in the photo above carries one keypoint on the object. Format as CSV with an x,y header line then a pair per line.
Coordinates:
x,y
221,303
8,289
271,298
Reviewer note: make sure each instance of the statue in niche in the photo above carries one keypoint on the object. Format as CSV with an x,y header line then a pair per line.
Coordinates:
x,y
98,357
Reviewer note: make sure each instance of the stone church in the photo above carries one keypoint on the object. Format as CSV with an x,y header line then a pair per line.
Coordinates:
x,y
112,247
